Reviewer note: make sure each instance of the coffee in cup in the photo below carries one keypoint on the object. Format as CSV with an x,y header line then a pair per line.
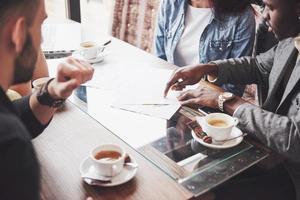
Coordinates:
x,y
90,50
108,159
217,122
217,125
108,155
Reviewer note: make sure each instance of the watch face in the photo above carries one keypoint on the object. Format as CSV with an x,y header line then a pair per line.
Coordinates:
x,y
58,103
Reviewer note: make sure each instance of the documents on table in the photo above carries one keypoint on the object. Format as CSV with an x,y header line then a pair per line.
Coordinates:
x,y
159,111
137,89
143,93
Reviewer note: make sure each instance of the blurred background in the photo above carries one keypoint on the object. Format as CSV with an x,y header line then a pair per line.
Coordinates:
x,y
132,21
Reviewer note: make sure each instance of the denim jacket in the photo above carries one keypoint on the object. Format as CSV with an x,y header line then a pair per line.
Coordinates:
x,y
231,36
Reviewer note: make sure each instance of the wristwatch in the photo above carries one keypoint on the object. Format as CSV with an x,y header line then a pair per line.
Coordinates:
x,y
223,97
44,98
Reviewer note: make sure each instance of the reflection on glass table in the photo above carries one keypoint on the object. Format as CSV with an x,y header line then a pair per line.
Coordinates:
x,y
169,144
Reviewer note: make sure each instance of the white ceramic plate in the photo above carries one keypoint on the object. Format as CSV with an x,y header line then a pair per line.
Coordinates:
x,y
127,173
98,59
231,143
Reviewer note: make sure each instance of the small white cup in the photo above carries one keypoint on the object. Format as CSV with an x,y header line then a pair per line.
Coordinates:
x,y
90,50
38,83
108,167
217,125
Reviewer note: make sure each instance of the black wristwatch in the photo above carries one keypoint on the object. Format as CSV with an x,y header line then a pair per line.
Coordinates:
x,y
45,98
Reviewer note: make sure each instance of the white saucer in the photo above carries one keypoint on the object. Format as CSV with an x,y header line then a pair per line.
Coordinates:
x,y
231,143
127,173
98,59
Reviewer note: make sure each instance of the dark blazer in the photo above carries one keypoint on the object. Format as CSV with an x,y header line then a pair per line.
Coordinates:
x,y
19,170
277,122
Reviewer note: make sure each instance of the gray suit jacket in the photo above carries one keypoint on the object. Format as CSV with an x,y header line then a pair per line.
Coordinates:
x,y
276,124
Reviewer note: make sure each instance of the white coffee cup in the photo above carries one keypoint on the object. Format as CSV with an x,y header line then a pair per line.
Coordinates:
x,y
217,125
38,83
90,50
107,163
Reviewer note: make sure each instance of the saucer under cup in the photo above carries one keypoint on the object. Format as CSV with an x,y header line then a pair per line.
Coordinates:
x,y
235,133
87,167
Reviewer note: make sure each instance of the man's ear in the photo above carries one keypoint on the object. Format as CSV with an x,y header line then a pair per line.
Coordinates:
x,y
19,33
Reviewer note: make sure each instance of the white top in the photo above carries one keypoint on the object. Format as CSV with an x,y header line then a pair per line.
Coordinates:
x,y
187,49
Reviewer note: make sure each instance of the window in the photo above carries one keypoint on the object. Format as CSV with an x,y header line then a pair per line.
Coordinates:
x,y
56,8
95,15
96,18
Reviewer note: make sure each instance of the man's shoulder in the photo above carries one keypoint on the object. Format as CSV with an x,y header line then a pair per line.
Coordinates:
x,y
285,43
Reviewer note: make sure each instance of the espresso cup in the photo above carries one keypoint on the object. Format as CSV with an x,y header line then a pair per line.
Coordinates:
x,y
108,159
217,125
90,50
38,83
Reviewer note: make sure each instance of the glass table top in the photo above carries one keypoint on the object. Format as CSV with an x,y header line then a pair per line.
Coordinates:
x,y
169,143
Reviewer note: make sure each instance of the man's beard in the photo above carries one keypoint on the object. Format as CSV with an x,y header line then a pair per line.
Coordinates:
x,y
25,62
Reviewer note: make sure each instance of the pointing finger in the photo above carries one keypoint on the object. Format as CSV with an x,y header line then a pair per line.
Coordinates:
x,y
174,79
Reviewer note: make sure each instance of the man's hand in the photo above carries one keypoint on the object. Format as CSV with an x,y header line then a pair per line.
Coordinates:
x,y
201,96
70,75
189,75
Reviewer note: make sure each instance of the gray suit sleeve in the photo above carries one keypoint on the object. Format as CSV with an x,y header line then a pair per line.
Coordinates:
x,y
246,70
281,133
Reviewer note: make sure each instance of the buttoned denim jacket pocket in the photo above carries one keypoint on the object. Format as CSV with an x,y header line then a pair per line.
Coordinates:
x,y
220,49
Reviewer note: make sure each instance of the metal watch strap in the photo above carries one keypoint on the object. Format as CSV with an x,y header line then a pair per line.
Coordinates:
x,y
221,100
44,98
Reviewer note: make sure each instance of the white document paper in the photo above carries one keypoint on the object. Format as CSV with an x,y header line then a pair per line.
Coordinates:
x,y
141,91
136,87
159,111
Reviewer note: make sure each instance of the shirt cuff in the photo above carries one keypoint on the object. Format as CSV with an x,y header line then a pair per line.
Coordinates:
x,y
218,80
237,109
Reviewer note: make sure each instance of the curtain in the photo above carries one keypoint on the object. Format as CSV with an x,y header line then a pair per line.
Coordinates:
x,y
134,22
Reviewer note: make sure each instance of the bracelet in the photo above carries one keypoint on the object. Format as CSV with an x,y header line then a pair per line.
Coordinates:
x,y
44,98
221,103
